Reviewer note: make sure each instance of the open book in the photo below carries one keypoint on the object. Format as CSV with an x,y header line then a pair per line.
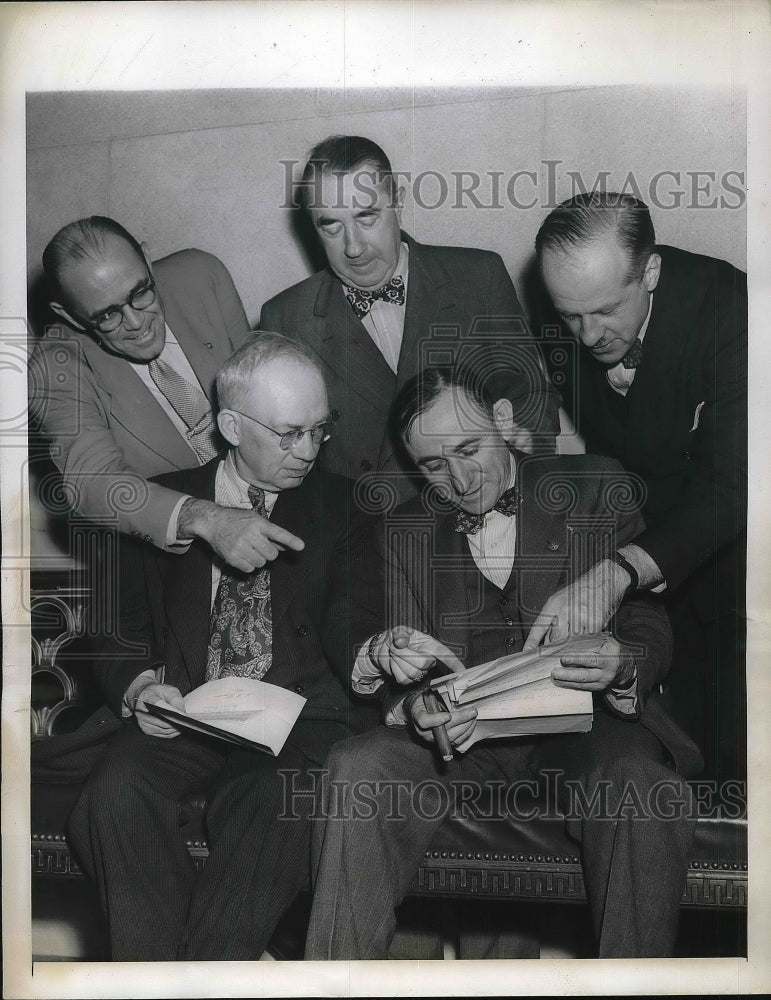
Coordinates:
x,y
240,710
515,695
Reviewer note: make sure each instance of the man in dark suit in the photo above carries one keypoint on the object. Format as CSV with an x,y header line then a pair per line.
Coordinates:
x,y
473,574
387,306
130,393
661,385
191,619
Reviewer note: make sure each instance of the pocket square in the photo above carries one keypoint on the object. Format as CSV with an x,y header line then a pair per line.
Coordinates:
x,y
696,415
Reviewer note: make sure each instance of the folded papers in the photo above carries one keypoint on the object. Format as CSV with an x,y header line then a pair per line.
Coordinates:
x,y
515,695
239,710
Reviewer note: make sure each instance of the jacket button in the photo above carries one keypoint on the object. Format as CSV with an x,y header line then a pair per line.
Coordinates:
x,y
365,465
301,630
509,621
510,641
299,688
209,345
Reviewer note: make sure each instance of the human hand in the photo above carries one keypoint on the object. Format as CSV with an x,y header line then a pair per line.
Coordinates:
x,y
584,606
406,654
150,724
612,666
244,539
459,723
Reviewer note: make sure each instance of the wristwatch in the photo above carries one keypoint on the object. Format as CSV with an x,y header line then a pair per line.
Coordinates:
x,y
634,579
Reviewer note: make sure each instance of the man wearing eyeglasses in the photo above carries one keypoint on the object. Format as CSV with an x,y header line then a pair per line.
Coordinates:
x,y
130,394
287,623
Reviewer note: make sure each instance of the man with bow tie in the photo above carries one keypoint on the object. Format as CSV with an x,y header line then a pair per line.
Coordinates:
x,y
387,306
186,619
661,385
469,563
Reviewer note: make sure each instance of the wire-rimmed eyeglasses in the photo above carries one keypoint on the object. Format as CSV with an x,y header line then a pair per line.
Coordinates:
x,y
319,433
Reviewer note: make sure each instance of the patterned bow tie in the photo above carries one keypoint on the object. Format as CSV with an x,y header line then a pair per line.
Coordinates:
x,y
361,301
632,357
470,524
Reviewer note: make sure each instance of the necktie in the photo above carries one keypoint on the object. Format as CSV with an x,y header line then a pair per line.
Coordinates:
x,y
190,404
632,357
361,300
241,632
470,524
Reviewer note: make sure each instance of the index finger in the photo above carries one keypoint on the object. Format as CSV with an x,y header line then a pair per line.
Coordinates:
x,y
283,537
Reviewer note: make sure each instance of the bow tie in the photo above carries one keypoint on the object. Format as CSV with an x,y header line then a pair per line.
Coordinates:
x,y
361,301
470,524
632,357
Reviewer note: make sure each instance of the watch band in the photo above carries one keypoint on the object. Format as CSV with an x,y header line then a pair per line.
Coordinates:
x,y
634,579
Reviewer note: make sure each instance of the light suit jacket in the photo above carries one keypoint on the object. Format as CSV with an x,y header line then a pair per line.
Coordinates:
x,y
108,433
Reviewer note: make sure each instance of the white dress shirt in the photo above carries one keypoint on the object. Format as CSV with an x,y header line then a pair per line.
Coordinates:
x,y
385,320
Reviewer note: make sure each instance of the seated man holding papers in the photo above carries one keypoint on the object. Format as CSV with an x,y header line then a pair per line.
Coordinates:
x,y
196,636
468,565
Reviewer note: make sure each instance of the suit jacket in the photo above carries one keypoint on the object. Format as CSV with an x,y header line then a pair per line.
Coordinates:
x,y
573,509
461,306
164,603
683,424
108,433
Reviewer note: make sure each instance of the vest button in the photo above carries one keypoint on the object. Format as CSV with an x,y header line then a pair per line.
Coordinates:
x,y
365,465
510,641
301,630
509,621
299,688
503,602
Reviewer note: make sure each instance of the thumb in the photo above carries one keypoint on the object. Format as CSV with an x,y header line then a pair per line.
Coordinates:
x,y
534,637
400,637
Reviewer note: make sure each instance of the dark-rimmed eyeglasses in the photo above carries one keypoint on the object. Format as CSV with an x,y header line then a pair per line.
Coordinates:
x,y
319,433
142,299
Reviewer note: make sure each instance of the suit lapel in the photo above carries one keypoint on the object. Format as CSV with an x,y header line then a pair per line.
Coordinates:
x,y
297,511
430,296
188,584
133,405
349,349
662,356
542,548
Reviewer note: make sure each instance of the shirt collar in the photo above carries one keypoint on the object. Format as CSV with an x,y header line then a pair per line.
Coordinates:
x,y
235,488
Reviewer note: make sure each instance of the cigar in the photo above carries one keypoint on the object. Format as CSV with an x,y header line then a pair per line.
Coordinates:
x,y
440,732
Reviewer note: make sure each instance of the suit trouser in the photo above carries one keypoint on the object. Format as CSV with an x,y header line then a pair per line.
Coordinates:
x,y
386,797
125,830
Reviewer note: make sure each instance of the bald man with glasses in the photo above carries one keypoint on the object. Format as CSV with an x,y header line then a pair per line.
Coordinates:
x,y
126,391
194,620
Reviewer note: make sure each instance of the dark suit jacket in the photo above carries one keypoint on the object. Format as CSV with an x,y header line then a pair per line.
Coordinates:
x,y
573,508
164,603
105,426
461,306
694,359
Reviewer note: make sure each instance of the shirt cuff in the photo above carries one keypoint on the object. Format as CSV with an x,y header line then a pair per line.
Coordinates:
x,y
396,716
366,678
173,541
624,700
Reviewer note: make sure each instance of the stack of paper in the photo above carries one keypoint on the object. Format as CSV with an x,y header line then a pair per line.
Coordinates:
x,y
515,695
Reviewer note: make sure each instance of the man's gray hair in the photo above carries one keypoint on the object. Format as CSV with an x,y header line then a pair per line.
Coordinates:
x,y
235,378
